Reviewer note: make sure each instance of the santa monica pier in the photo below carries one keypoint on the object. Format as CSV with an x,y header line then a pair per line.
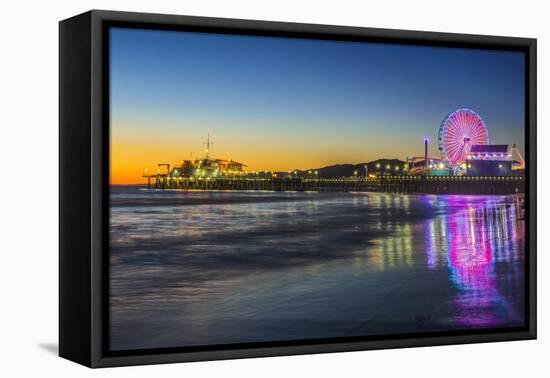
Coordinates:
x,y
467,164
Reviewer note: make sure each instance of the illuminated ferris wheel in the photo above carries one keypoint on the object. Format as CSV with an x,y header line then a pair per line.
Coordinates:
x,y
458,132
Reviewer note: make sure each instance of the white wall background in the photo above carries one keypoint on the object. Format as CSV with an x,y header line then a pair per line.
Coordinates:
x,y
29,216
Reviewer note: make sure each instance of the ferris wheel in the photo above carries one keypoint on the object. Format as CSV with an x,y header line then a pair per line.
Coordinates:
x,y
458,132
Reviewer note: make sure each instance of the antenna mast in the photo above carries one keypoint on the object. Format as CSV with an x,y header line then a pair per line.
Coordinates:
x,y
208,144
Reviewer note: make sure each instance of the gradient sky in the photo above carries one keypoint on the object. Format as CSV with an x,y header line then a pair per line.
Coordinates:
x,y
281,104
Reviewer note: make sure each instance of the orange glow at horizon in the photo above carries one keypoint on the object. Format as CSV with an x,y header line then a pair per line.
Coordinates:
x,y
137,146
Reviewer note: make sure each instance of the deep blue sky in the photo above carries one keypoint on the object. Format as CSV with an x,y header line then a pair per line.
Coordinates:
x,y
332,100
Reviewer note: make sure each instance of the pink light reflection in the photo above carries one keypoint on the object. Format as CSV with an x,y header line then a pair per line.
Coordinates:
x,y
470,258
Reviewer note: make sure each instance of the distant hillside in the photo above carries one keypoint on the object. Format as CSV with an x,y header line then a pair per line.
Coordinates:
x,y
347,170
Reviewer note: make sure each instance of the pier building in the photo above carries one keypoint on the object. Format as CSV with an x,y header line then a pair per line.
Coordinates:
x,y
489,160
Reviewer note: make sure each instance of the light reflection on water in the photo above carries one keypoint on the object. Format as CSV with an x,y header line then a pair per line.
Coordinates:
x,y
199,268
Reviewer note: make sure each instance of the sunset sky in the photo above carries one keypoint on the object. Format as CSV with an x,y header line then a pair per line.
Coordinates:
x,y
281,104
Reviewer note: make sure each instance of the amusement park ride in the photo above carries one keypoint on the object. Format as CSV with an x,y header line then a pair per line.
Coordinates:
x,y
459,132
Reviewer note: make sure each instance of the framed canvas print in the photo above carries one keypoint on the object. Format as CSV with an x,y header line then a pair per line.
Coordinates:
x,y
233,188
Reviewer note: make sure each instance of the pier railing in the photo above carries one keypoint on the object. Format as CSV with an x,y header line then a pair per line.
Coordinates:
x,y
388,184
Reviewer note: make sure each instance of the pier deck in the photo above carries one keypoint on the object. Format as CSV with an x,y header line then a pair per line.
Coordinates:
x,y
387,184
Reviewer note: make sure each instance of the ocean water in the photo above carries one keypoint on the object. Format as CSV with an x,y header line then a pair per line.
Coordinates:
x,y
203,268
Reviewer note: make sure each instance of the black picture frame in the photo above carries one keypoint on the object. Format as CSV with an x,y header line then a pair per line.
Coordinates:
x,y
84,186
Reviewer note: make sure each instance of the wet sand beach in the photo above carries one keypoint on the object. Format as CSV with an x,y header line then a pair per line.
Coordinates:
x,y
203,268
